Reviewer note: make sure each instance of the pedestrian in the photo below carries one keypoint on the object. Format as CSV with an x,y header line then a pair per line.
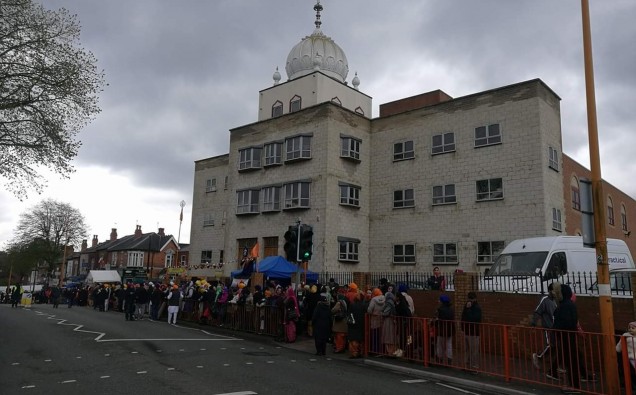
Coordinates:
x,y
545,313
339,328
355,325
404,289
471,319
444,330
129,302
290,315
321,322
56,293
142,298
630,341
404,323
156,297
375,307
174,298
16,295
565,324
437,282
389,327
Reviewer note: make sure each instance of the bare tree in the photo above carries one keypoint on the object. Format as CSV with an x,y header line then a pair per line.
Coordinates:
x,y
57,224
48,92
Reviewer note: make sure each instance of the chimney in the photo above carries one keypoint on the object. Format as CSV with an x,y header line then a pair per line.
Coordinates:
x,y
113,234
138,231
94,242
161,232
84,244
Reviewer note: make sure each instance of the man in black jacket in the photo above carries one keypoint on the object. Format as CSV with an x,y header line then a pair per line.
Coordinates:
x,y
471,318
565,322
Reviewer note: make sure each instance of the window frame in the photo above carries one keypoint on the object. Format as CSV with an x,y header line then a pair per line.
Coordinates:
x,y
404,257
247,206
575,192
490,137
623,218
553,159
557,220
295,104
403,202
445,258
274,158
205,255
490,193
210,185
298,148
253,162
208,220
346,198
349,251
444,197
297,195
489,257
275,194
403,153
277,109
443,147
350,148
135,259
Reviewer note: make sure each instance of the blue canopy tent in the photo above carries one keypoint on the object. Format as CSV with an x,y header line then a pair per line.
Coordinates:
x,y
278,267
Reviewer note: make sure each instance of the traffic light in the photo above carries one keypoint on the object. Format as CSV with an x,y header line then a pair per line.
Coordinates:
x,y
291,244
306,242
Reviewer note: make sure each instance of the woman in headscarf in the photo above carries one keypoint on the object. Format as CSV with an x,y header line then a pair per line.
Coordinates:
x,y
376,305
291,315
321,322
339,328
355,331
389,331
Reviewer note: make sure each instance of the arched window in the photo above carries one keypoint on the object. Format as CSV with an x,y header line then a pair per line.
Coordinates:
x,y
610,211
337,101
277,109
295,104
359,110
623,218
576,193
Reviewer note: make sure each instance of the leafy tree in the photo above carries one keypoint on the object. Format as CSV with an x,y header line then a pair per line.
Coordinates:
x,y
22,259
48,92
50,226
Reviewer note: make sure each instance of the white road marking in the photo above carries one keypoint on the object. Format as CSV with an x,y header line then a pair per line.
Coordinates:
x,y
414,381
78,357
312,359
202,349
68,381
107,355
293,360
170,368
457,389
142,372
249,363
239,393
199,366
28,386
181,349
15,363
47,360
104,377
270,361
226,364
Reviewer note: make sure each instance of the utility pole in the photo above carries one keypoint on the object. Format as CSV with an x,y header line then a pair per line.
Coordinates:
x,y
610,366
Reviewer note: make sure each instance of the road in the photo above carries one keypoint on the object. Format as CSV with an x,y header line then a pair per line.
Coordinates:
x,y
82,351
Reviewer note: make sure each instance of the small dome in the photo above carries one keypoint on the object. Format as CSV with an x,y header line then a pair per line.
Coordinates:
x,y
317,52
276,77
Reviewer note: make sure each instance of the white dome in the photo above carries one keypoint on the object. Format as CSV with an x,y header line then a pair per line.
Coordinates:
x,y
317,52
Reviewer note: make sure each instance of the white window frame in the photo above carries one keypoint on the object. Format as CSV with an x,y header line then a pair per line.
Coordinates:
x,y
169,258
113,259
277,109
208,219
250,158
273,154
297,147
404,201
135,259
210,185
350,147
348,251
271,198
553,159
183,260
445,143
556,220
488,251
297,195
443,253
491,192
444,194
247,201
295,104
403,150
349,195
404,254
206,256
487,135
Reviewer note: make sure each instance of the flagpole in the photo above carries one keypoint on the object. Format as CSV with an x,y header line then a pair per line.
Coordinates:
x,y
182,204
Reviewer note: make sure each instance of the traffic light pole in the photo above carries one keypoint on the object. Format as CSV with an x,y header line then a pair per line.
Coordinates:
x,y
298,230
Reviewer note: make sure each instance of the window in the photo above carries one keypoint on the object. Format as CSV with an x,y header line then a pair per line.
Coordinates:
x,y
491,189
556,219
350,148
359,110
403,198
348,249
487,135
247,202
553,162
184,260
295,104
250,158
623,218
169,258
135,259
273,154
271,198
487,251
113,259
576,194
298,147
210,185
444,194
297,195
337,101
404,254
349,195
610,211
403,150
206,256
208,220
445,253
443,143
277,109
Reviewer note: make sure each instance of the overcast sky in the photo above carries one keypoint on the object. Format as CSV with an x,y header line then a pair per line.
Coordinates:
x,y
182,73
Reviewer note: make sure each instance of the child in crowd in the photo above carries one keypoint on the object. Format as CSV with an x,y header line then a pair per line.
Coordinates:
x,y
631,343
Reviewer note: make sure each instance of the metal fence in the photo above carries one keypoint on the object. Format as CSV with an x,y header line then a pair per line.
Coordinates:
x,y
414,280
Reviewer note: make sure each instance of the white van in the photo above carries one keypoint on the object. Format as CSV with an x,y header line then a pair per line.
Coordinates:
x,y
527,265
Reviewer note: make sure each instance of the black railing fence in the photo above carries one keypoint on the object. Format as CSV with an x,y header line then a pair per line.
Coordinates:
x,y
414,280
